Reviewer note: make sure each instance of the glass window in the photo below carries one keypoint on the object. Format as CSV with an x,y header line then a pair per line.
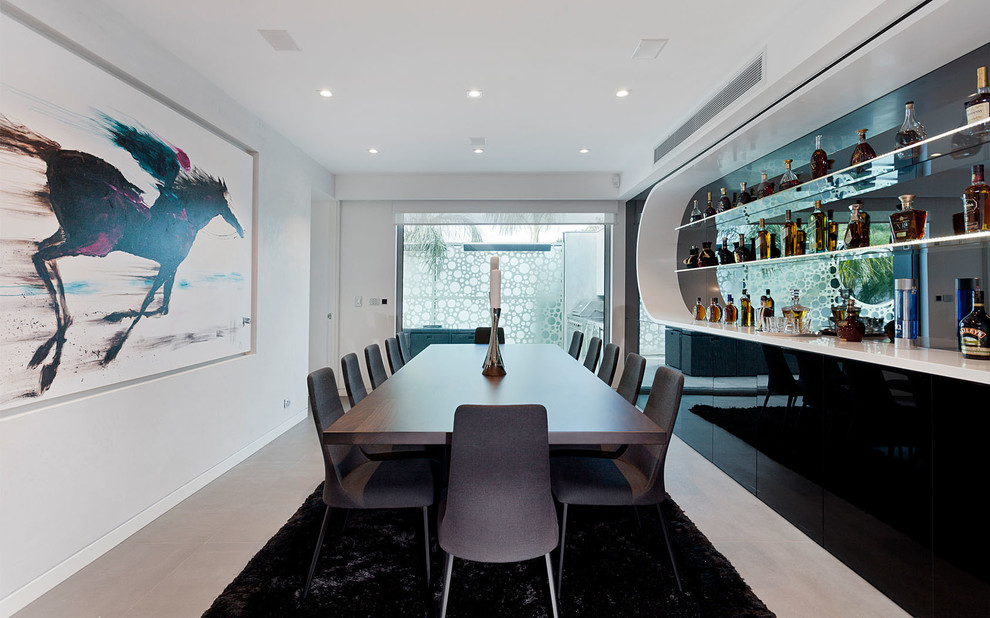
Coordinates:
x,y
553,277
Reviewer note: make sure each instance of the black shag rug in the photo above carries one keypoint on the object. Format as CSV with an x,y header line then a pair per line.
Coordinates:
x,y
613,567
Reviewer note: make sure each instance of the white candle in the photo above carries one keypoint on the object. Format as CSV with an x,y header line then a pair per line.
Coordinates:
x,y
496,289
494,262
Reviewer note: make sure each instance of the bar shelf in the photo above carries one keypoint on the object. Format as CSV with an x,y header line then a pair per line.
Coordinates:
x,y
953,148
974,238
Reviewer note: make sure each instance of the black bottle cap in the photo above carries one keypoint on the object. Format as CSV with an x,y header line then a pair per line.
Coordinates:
x,y
967,283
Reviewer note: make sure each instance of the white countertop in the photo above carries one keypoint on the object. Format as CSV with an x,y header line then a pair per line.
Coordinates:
x,y
945,363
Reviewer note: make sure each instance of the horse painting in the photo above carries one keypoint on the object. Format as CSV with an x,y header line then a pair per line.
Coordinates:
x,y
100,211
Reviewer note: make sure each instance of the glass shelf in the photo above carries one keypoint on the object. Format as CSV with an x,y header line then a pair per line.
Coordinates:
x,y
883,171
942,241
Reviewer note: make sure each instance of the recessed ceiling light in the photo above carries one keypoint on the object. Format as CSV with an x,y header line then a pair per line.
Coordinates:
x,y
372,151
478,150
325,92
584,150
474,93
622,93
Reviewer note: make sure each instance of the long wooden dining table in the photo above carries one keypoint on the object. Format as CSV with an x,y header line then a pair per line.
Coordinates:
x,y
416,405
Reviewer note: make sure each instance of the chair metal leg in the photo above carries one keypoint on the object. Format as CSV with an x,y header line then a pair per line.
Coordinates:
x,y
316,552
563,537
446,585
553,595
426,542
639,522
670,550
767,400
347,515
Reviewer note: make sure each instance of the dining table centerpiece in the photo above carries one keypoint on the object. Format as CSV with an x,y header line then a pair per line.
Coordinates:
x,y
492,366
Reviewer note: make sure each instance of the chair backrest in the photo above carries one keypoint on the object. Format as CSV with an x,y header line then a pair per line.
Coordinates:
x,y
394,355
338,460
631,380
483,334
594,349
405,347
499,507
576,340
779,376
353,381
661,408
610,358
376,366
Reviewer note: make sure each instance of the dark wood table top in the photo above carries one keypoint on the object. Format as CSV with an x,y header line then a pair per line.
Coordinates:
x,y
416,405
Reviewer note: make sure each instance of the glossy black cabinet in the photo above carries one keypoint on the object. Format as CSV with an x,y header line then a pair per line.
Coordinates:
x,y
883,467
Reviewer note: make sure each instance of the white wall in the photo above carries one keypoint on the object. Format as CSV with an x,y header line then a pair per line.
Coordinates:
x,y
80,474
367,269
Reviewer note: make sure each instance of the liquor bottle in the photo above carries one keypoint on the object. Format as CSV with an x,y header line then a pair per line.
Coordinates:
x,y
774,247
696,213
731,313
911,132
769,304
841,303
715,311
763,241
800,238
765,187
977,197
965,287
789,179
724,203
796,312
741,254
978,108
691,261
858,228
724,255
862,152
819,160
908,223
821,228
710,211
744,195
851,328
974,330
745,310
707,257
789,230
699,310
833,232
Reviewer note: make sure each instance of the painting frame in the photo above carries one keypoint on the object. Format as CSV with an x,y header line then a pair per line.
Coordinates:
x,y
185,242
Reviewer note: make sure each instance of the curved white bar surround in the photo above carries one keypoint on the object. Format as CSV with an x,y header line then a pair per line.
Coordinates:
x,y
892,60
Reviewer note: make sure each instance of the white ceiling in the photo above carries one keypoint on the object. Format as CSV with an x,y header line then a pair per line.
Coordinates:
x,y
399,71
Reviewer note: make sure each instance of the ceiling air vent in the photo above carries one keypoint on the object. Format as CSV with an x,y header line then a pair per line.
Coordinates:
x,y
750,76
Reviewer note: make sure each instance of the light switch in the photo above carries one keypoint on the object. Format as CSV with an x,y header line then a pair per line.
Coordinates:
x,y
357,301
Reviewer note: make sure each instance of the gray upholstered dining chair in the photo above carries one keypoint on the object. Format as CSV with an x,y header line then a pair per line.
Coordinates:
x,y
483,334
577,339
594,349
355,482
395,362
353,382
405,346
634,478
356,391
610,359
376,366
498,506
631,380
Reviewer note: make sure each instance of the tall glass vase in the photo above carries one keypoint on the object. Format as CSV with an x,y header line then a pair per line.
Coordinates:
x,y
492,366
